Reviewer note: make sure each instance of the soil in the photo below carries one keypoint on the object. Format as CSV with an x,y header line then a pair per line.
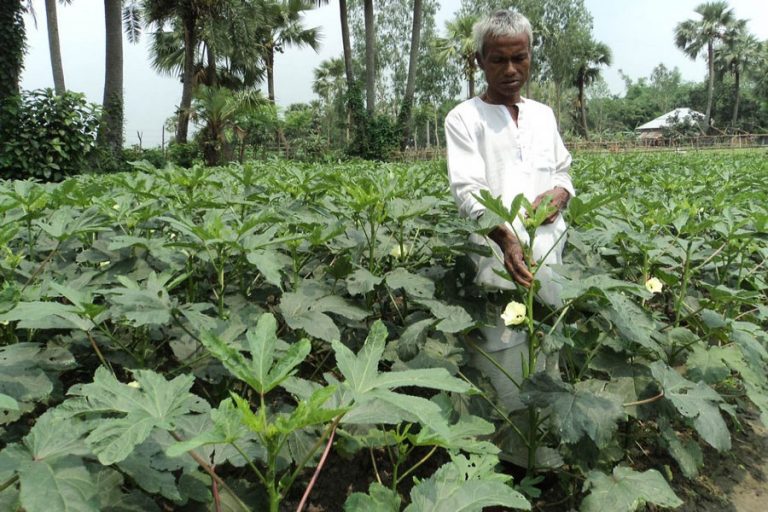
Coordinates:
x,y
735,481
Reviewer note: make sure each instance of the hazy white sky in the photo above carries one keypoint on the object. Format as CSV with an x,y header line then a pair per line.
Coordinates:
x,y
639,32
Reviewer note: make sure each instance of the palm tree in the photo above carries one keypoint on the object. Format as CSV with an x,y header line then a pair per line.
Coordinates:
x,y
594,55
282,27
110,135
329,85
220,111
740,49
692,36
54,46
460,46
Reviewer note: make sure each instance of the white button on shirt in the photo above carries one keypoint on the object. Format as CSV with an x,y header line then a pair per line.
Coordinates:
x,y
488,151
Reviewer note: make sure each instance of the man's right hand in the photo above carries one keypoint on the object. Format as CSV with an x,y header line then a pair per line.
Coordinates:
x,y
514,259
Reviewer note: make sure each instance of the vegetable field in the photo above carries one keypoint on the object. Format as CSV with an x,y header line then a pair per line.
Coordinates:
x,y
225,339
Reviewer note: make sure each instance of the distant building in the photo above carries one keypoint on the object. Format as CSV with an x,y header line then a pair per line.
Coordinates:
x,y
681,120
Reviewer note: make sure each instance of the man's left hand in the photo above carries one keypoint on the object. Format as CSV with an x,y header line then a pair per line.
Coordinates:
x,y
560,198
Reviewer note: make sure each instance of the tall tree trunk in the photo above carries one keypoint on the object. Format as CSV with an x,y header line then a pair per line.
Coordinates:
x,y
471,78
110,136
346,44
583,109
437,131
410,85
270,58
12,42
54,46
188,77
279,135
711,84
370,57
736,76
210,71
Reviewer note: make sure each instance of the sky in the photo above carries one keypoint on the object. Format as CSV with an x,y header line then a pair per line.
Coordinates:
x,y
639,32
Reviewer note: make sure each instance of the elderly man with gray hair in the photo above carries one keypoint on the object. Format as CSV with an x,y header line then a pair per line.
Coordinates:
x,y
508,145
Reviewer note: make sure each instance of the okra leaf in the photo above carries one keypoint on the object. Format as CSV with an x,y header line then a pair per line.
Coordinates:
x,y
378,499
64,485
574,412
626,490
695,401
465,485
127,414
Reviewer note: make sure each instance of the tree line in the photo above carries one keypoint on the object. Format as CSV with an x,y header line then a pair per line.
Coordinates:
x,y
396,78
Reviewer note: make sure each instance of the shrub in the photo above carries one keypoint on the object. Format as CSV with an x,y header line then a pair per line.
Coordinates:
x,y
46,136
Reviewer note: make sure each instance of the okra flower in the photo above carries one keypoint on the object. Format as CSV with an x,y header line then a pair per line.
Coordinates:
x,y
653,285
514,313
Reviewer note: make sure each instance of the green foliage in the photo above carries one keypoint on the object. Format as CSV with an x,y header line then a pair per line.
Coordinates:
x,y
46,136
12,40
627,490
175,322
184,154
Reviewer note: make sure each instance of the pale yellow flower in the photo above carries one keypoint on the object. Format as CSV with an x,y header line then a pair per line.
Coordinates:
x,y
134,384
514,313
653,285
399,253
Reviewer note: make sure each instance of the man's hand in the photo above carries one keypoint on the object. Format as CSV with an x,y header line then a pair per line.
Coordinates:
x,y
560,198
514,260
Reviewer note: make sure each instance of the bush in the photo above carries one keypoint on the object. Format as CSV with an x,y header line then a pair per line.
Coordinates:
x,y
155,156
184,154
46,136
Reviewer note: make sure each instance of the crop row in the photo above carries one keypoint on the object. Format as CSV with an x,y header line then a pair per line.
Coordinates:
x,y
197,338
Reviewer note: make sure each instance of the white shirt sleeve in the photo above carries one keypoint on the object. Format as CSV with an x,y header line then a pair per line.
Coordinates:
x,y
466,167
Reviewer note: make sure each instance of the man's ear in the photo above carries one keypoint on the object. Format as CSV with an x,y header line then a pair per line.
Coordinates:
x,y
479,60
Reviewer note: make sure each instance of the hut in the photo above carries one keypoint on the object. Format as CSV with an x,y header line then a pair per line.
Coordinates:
x,y
680,119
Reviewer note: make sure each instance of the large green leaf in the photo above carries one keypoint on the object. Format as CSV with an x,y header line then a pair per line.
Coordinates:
x,y
25,374
626,490
62,486
574,413
413,284
371,390
378,499
686,452
362,281
47,315
126,415
150,304
264,372
696,401
270,263
306,309
8,403
465,485
452,318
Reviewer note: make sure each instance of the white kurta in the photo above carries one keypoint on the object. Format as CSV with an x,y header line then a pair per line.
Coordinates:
x,y
488,151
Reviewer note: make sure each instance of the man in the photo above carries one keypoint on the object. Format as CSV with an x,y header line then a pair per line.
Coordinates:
x,y
508,145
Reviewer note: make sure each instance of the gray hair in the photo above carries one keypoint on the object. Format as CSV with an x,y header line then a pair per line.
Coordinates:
x,y
502,23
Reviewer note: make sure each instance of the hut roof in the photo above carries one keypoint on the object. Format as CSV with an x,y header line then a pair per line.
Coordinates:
x,y
670,118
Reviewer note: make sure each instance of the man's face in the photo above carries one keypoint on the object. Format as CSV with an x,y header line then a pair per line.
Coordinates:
x,y
506,63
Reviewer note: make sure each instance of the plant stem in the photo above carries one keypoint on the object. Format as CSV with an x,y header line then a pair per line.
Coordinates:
x,y
9,482
208,469
416,466
253,467
320,465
